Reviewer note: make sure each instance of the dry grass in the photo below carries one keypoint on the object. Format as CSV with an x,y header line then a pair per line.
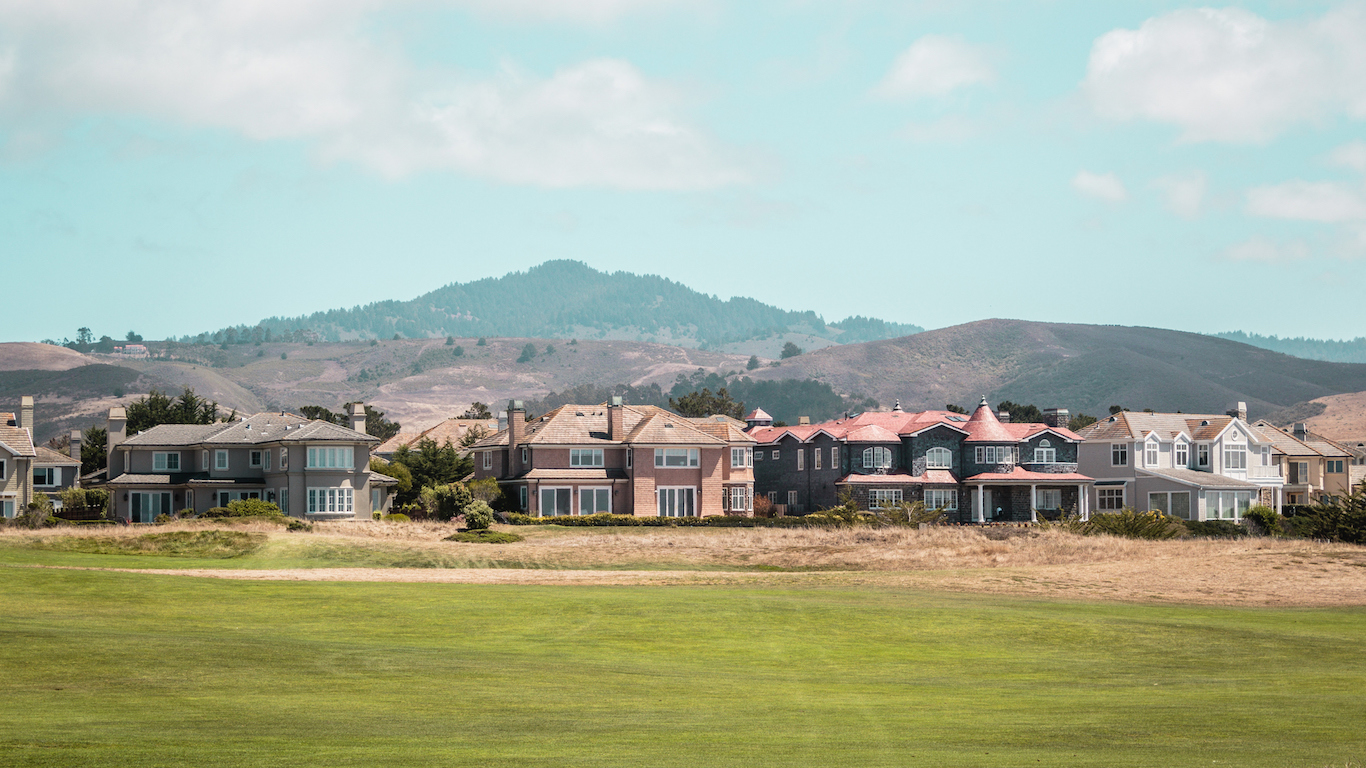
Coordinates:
x,y
1000,561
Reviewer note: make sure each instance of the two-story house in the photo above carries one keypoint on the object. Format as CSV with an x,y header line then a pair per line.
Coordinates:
x,y
54,472
979,468
310,469
1192,466
16,459
620,459
1313,467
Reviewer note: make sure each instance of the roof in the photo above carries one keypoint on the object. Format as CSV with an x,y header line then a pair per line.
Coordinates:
x,y
872,434
1283,442
253,430
16,440
448,431
1019,475
46,456
1200,479
377,478
552,473
891,426
1134,425
984,427
931,477
643,424
758,414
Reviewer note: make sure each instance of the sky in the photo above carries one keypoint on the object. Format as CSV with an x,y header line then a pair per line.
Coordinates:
x,y
171,167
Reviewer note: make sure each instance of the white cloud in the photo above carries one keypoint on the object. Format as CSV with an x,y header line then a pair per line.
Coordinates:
x,y
1265,251
580,11
1230,75
1351,155
1184,193
1325,202
300,69
1102,186
936,65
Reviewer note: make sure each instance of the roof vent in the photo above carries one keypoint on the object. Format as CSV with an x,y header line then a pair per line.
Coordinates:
x,y
578,413
668,425
1205,423
1112,418
248,426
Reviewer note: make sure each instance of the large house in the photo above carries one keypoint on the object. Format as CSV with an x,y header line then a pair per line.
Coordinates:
x,y
16,459
979,468
620,459
310,469
1313,467
451,431
1192,466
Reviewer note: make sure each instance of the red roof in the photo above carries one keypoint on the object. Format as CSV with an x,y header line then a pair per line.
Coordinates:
x,y
758,415
1023,476
984,427
872,434
931,477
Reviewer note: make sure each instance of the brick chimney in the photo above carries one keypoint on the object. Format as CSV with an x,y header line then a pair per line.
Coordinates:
x,y
1240,412
1057,417
516,433
803,421
26,414
1003,416
616,420
75,448
357,411
118,432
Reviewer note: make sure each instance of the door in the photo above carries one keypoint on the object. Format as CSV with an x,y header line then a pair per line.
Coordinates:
x,y
555,502
988,508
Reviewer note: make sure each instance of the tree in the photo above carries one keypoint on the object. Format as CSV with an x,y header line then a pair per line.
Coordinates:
x,y
84,337
704,403
157,408
477,410
432,465
94,442
753,363
550,349
473,435
319,413
450,340
445,502
378,426
790,350
1080,422
1114,409
133,337
459,351
1021,414
951,408
482,342
528,352
398,472
105,345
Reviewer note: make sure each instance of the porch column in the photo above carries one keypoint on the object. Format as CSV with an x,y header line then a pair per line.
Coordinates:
x,y
981,514
1033,501
1083,502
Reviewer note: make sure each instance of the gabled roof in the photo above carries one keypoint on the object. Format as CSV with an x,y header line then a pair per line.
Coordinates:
x,y
1021,475
449,430
1134,425
46,457
872,434
1282,442
723,427
16,440
253,430
643,424
669,429
758,414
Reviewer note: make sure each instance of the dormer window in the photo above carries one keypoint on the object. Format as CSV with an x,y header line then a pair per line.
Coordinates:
x,y
1150,454
877,458
1202,455
1182,455
939,458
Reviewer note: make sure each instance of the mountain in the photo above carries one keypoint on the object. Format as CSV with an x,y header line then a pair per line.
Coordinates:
x,y
1085,368
1350,351
570,300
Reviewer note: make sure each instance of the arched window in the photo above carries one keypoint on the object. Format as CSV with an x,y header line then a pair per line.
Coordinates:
x,y
938,458
1045,453
877,458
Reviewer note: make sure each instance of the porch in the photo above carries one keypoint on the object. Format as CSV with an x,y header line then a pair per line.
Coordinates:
x,y
1021,496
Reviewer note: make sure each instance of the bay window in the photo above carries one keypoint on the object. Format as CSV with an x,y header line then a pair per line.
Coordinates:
x,y
330,500
331,458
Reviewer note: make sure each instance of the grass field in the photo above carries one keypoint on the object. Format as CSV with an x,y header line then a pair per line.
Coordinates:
x,y
104,668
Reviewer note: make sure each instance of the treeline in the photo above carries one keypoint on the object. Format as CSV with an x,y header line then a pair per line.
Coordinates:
x,y
568,298
1330,350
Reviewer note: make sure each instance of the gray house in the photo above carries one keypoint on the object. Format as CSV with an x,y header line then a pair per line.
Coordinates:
x,y
310,469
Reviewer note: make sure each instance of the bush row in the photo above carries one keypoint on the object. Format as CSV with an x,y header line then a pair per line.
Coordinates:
x,y
714,521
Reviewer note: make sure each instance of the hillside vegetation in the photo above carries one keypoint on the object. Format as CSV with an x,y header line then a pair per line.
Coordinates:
x,y
1332,350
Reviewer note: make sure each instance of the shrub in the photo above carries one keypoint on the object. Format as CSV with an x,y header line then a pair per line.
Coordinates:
x,y
485,490
1266,520
762,506
912,513
478,516
1214,529
484,537
252,508
1132,524
1341,519
445,502
396,517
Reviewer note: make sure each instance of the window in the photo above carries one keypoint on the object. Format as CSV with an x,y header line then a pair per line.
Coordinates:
x,y
4,475
879,498
738,500
555,502
629,452
594,501
144,507
1202,455
677,502
1335,466
220,459
284,499
47,475
816,458
254,458
488,459
525,455
775,455
1111,498
1235,457
284,458
939,458
801,459
739,458
835,457
877,458
773,497
792,499
1045,455
585,457
1182,456
941,499
1119,456
758,455
375,503
1226,505
204,461
521,496
996,454
1299,472
165,462
1181,504
1157,502
7,507
331,458
266,460
1150,454
1048,498
676,457
228,496
330,501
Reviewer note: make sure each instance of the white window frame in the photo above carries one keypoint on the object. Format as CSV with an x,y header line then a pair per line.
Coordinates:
x,y
265,459
284,500
330,500
1045,455
878,497
1202,455
939,457
4,469
555,490
522,496
776,454
526,455
872,459
942,498
139,499
7,505
585,457
630,456
816,458
284,458
488,459
161,461
792,499
1049,499
204,461
220,460
737,499
739,458
1119,454
801,459
254,459
834,457
1181,455
1235,456
1104,494
669,458
52,476
682,498
1150,451
331,457
597,491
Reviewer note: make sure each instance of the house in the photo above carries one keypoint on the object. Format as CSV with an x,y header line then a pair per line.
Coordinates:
x,y
978,468
451,431
54,472
16,459
620,459
1313,467
310,469
1192,466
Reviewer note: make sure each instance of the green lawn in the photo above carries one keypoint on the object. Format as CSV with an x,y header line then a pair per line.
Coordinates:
x,y
114,669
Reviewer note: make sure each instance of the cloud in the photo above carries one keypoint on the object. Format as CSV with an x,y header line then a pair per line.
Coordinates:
x,y
272,70
1262,250
936,65
577,11
1184,193
1102,186
1352,155
1230,75
1324,202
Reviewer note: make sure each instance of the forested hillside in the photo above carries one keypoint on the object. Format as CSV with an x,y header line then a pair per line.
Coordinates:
x,y
568,299
1350,351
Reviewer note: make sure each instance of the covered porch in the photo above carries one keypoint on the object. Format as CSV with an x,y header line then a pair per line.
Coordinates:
x,y
1021,496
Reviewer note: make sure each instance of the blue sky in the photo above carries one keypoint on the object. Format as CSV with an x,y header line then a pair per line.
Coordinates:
x,y
174,167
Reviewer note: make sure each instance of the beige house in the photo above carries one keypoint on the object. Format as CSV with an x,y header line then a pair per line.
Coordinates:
x,y
620,459
449,431
1313,467
310,469
16,459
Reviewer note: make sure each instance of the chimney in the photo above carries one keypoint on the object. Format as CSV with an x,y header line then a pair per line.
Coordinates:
x,y
502,420
1057,417
26,414
616,420
76,444
803,421
1301,431
357,416
1003,416
516,424
118,427
1240,412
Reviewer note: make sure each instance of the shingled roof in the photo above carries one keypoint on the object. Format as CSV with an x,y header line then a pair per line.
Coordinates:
x,y
253,430
1135,425
643,424
16,440
46,456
